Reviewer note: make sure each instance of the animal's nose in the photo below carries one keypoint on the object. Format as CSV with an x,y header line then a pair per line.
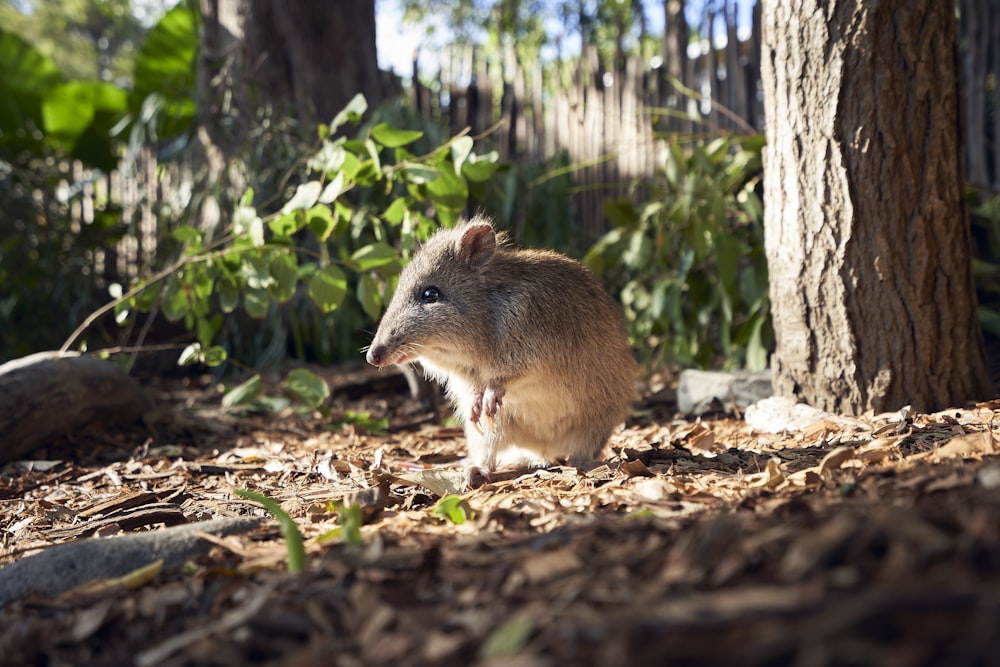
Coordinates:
x,y
376,355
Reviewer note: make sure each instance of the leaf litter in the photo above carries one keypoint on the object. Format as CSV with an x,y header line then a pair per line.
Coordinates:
x,y
871,541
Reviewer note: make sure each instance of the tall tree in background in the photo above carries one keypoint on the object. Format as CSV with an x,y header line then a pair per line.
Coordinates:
x,y
867,234
304,58
266,62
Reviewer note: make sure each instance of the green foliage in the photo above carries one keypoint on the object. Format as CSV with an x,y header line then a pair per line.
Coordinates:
x,y
689,263
26,76
165,68
294,542
351,519
342,234
47,257
454,509
365,421
984,214
87,39
307,387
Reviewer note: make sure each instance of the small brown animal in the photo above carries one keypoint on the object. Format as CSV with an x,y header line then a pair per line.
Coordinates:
x,y
530,347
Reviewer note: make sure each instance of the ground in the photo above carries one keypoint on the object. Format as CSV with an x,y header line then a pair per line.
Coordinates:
x,y
873,542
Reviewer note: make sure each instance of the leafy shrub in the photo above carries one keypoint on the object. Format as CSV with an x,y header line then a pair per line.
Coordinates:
x,y
984,215
47,121
689,263
337,233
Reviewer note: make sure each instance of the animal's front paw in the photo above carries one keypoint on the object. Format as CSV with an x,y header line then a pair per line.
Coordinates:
x,y
492,400
486,404
473,471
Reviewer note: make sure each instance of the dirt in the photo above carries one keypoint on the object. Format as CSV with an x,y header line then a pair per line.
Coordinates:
x,y
693,542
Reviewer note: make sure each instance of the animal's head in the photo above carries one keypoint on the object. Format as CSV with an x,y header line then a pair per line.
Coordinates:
x,y
441,305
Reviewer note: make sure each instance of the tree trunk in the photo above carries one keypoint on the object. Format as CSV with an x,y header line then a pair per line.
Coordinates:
x,y
304,58
867,235
675,40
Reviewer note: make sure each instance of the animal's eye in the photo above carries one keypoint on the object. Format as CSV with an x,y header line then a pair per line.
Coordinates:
x,y
430,295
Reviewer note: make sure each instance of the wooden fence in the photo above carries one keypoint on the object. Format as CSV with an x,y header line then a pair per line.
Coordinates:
x,y
613,124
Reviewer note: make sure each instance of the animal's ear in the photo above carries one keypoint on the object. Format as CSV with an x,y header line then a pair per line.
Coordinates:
x,y
478,244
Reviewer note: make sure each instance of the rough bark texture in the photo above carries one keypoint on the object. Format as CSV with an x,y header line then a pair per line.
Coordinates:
x,y
308,58
867,235
49,395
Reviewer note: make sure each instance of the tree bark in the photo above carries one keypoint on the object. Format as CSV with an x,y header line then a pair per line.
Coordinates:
x,y
304,58
867,235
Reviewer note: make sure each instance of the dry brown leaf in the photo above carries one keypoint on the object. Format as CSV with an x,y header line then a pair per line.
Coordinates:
x,y
636,469
808,477
821,430
439,481
834,460
970,444
703,442
656,488
771,478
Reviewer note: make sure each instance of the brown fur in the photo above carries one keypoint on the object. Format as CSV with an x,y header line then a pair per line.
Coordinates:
x,y
529,346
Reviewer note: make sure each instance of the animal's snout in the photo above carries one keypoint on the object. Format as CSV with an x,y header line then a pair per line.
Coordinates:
x,y
377,355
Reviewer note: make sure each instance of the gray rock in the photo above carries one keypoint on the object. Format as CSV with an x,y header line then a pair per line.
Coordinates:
x,y
697,389
65,566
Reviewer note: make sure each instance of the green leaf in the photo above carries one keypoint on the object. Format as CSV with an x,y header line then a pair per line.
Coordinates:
x,y
175,299
351,113
390,137
243,393
165,66
305,197
80,114
295,557
365,420
328,287
368,295
453,508
321,221
186,234
507,639
673,165
480,169
190,355
229,295
448,190
373,256
418,174
284,270
256,302
461,148
215,356
307,387
256,270
394,214
287,224
26,77
351,519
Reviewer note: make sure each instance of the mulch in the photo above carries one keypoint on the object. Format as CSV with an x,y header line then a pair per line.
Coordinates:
x,y
695,542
